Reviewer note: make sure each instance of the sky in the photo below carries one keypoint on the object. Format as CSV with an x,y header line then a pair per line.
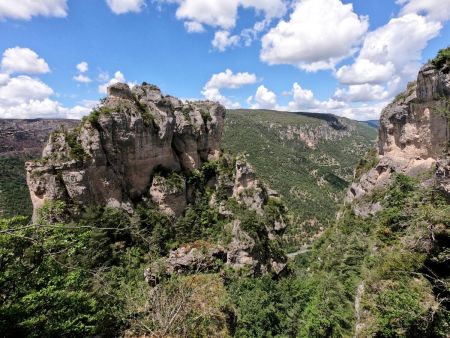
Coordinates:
x,y
348,58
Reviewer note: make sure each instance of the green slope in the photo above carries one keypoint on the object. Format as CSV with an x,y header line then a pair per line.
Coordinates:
x,y
14,195
312,180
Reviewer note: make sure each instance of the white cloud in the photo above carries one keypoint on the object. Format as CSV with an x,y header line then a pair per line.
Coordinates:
x,y
23,60
18,90
223,14
82,78
26,97
4,78
304,100
226,79
103,76
364,112
223,40
438,10
83,67
391,50
76,112
365,71
125,6
362,93
248,35
26,9
118,77
318,34
263,99
194,27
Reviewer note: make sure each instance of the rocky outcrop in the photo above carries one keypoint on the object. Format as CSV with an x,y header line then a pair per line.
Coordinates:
x,y
443,175
198,257
110,159
334,129
247,189
414,132
169,194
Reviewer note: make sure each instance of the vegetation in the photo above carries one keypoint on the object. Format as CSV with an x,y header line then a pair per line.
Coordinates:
x,y
308,178
369,161
442,58
14,196
76,149
81,278
206,116
94,116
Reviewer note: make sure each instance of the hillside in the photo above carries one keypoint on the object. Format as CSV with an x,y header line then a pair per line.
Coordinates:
x,y
26,138
308,158
189,245
21,140
140,223
385,263
334,161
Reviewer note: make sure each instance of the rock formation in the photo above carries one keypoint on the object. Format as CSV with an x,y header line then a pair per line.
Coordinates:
x,y
414,132
141,148
111,157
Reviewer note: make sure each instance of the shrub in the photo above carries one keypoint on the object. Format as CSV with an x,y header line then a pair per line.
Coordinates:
x,y
442,58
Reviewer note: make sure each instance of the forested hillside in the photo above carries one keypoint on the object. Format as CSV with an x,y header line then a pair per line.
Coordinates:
x,y
308,158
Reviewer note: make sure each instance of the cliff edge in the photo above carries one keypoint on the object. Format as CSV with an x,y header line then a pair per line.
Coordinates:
x,y
111,158
414,133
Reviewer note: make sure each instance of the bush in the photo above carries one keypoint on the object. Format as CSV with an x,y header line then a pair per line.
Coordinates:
x,y
442,58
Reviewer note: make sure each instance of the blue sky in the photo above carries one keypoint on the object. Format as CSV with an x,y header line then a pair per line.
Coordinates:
x,y
333,56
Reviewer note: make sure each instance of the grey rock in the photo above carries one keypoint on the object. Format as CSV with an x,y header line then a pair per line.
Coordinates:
x,y
134,133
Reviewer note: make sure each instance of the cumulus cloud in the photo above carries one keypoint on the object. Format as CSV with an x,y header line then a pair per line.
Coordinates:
x,y
362,93
222,40
125,6
304,100
229,80
223,14
82,78
263,99
23,60
23,88
365,71
83,67
438,10
364,112
26,9
318,34
118,77
387,53
194,27
27,97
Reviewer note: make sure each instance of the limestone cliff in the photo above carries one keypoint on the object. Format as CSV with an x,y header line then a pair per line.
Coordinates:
x,y
111,158
140,149
414,132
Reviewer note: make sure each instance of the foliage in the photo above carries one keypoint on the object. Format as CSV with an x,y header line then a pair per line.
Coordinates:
x,y
292,168
94,116
206,116
76,149
442,58
369,161
14,196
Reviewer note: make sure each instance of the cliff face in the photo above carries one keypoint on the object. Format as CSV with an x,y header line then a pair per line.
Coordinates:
x,y
111,157
414,131
142,150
